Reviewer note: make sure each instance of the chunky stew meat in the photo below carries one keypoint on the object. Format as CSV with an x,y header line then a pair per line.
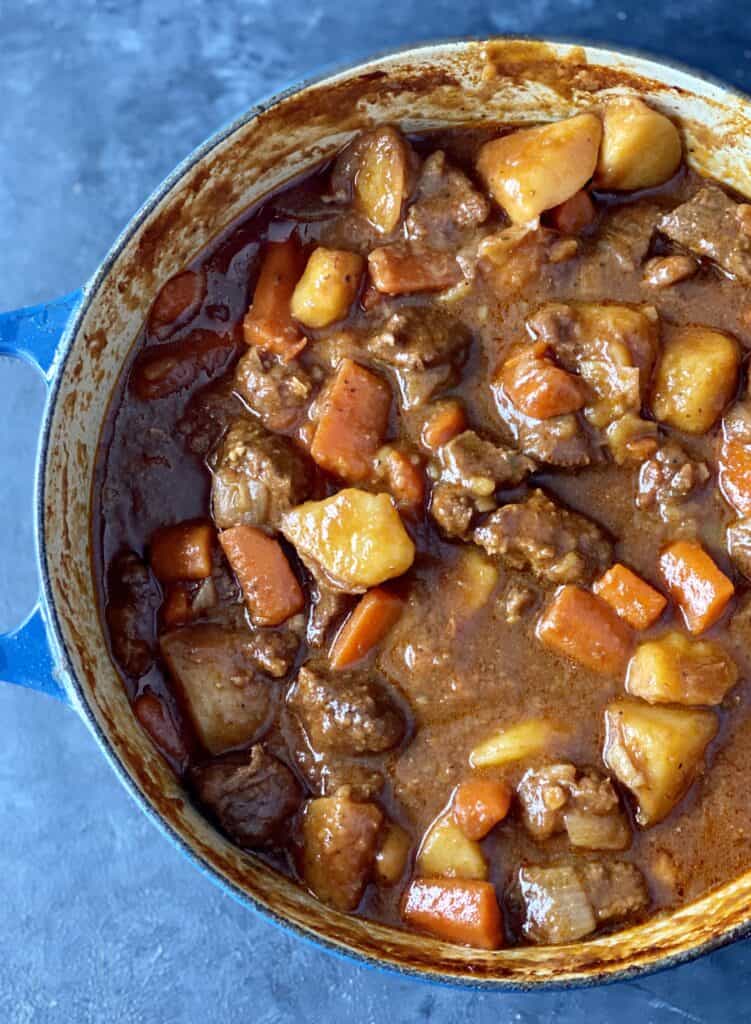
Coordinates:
x,y
425,528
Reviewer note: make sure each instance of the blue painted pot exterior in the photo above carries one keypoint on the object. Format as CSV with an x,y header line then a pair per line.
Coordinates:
x,y
33,655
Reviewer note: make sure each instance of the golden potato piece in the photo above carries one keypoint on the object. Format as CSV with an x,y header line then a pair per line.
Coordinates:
x,y
640,146
473,578
393,854
327,287
676,669
382,170
696,377
356,538
527,739
446,852
656,752
533,169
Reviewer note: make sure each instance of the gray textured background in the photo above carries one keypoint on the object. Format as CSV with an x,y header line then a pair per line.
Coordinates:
x,y
100,919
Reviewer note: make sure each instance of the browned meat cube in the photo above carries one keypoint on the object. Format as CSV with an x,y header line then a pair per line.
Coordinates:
x,y
277,393
480,467
415,338
257,476
452,509
252,802
446,204
555,544
346,713
712,225
132,597
668,479
207,415
215,671
340,840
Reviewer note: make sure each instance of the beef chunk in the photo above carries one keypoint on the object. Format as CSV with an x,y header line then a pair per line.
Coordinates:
x,y
738,536
537,534
452,509
274,650
252,802
216,672
419,387
480,467
556,798
568,901
559,441
712,225
415,338
257,476
207,415
340,839
132,599
346,713
668,479
327,606
446,204
276,392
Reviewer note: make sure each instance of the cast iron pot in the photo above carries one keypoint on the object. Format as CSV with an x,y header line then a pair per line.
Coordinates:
x,y
81,342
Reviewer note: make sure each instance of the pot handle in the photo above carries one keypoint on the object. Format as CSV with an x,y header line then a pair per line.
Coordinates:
x,y
33,334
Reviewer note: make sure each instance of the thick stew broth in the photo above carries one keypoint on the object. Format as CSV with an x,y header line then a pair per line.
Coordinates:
x,y
449,697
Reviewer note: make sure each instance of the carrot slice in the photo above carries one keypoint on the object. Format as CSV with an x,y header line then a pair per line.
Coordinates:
x,y
268,324
539,388
735,473
447,420
353,422
639,604
178,296
699,588
573,216
158,723
398,269
479,805
269,586
164,369
182,552
404,478
580,626
368,624
457,910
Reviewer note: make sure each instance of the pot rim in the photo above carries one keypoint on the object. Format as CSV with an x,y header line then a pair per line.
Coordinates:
x,y
62,660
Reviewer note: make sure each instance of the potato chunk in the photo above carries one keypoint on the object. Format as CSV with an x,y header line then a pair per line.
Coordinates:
x,y
213,668
656,752
533,169
356,538
473,580
527,739
696,377
446,852
674,669
379,165
640,146
327,287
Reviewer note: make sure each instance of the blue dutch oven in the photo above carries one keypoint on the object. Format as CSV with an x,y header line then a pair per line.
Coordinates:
x,y
81,342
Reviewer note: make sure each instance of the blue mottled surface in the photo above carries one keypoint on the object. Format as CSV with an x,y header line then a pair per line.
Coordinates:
x,y
100,919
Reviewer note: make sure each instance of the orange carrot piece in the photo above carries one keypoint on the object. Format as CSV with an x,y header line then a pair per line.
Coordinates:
x,y
368,624
479,805
405,480
735,473
539,388
268,324
398,269
178,296
353,422
575,215
158,723
639,604
699,588
269,586
176,608
456,910
447,420
182,552
580,626
164,369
